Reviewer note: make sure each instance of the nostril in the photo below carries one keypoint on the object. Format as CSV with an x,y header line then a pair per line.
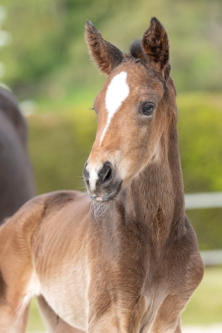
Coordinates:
x,y
108,175
105,174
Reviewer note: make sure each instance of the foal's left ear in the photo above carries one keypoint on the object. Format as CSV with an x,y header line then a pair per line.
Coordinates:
x,y
156,47
106,55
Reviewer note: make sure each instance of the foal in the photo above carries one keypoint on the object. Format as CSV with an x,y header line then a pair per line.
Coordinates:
x,y
123,259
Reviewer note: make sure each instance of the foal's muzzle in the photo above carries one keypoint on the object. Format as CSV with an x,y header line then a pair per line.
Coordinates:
x,y
102,184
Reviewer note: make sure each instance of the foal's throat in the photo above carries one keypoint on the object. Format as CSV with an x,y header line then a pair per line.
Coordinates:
x,y
155,197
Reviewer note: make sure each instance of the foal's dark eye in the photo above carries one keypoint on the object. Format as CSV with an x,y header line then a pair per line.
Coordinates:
x,y
147,108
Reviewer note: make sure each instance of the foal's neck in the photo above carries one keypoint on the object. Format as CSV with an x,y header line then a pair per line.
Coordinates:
x,y
155,197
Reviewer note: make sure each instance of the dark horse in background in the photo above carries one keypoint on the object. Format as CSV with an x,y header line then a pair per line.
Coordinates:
x,y
16,179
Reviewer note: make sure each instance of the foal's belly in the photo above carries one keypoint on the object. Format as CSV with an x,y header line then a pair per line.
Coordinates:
x,y
66,293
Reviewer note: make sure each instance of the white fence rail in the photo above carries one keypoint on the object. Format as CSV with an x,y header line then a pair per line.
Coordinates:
x,y
203,200
212,258
206,200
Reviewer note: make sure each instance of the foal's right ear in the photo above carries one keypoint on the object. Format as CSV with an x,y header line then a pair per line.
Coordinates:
x,y
156,47
106,55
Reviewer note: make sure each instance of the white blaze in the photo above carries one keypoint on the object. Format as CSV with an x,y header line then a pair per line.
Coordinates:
x,y
116,93
93,176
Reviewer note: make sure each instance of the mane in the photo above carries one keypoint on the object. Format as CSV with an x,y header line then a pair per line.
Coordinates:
x,y
136,50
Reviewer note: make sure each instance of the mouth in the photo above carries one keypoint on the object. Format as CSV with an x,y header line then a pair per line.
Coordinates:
x,y
111,195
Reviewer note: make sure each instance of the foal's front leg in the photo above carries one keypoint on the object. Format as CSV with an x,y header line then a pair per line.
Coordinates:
x,y
11,320
168,317
15,276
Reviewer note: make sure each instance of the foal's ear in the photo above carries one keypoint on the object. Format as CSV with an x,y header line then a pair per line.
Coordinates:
x,y
106,55
156,47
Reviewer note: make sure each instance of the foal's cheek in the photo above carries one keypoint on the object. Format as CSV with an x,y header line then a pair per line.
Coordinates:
x,y
131,154
129,166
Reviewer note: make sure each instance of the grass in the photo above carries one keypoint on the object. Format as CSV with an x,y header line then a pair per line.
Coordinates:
x,y
205,307
35,321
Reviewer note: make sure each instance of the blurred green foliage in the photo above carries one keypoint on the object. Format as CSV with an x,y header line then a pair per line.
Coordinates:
x,y
70,126
208,227
200,131
59,145
62,133
48,55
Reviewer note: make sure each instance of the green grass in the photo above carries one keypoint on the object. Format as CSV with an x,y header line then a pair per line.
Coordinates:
x,y
35,321
205,307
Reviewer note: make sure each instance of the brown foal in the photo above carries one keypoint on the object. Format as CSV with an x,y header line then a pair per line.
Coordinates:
x,y
124,258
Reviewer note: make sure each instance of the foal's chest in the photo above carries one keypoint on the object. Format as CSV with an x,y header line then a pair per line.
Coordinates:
x,y
71,301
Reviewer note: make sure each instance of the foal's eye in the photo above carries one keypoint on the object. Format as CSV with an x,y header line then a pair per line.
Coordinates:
x,y
147,108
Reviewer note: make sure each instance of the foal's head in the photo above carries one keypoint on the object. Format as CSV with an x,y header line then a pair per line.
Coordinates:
x,y
133,109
